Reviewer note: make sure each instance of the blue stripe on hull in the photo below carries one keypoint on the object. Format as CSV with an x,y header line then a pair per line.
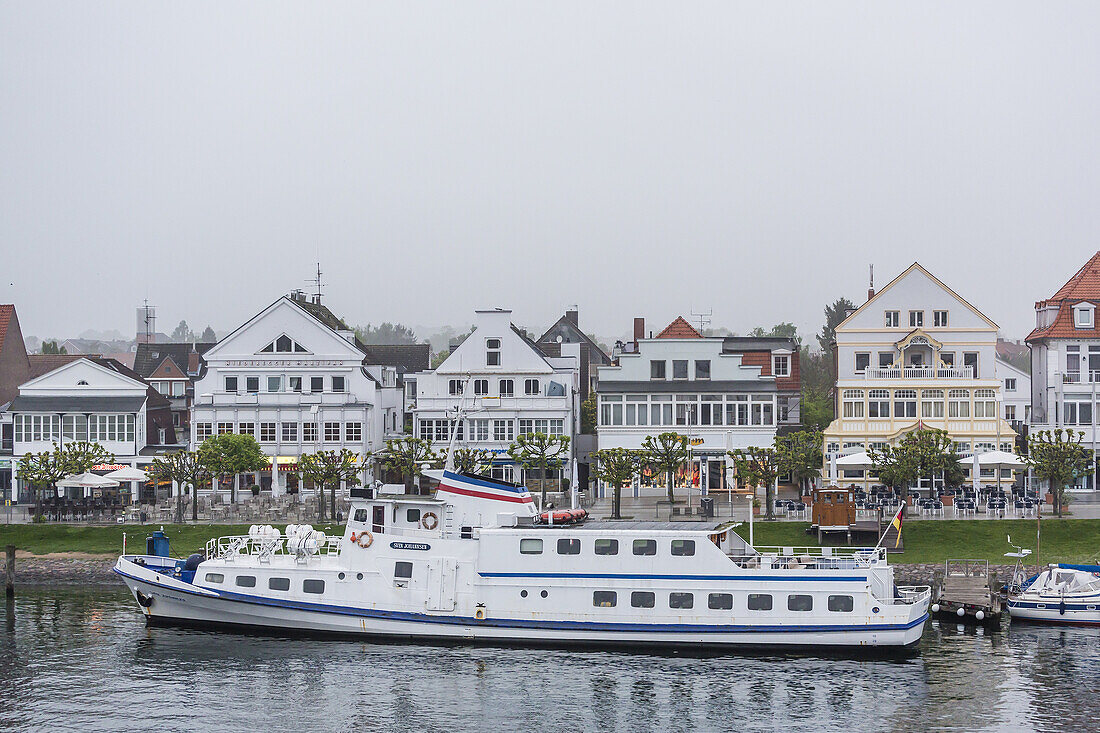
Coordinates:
x,y
527,624
644,576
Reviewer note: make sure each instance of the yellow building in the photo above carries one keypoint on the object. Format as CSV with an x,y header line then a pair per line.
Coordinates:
x,y
916,353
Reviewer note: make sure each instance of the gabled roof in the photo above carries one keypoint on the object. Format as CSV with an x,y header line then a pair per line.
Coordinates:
x,y
45,363
933,278
576,335
679,329
145,362
406,357
1084,285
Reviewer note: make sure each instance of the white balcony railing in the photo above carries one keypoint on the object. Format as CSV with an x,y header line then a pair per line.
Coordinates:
x,y
923,372
1081,377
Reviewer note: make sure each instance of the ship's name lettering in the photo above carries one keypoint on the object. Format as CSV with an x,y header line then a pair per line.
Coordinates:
x,y
410,546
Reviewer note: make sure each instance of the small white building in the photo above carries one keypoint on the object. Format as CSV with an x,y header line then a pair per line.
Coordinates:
x,y
507,387
295,377
1016,394
91,399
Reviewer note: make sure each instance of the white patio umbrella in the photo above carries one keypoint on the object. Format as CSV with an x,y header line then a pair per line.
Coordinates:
x,y
128,474
87,481
997,460
855,461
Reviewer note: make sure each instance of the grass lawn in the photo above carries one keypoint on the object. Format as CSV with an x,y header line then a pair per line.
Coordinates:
x,y
40,539
933,541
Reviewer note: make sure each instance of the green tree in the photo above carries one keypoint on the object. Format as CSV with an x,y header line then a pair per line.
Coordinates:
x,y
408,456
666,453
51,347
327,468
933,451
208,335
41,471
387,333
541,451
185,468
230,454
617,466
896,467
470,460
589,412
758,466
1058,458
834,316
800,455
182,333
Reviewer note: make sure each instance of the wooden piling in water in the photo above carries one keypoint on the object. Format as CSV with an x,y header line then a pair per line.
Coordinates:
x,y
9,572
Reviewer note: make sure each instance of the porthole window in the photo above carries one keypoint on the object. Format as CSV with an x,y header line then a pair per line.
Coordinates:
x,y
544,594
800,603
681,600
278,583
645,547
215,578
568,546
720,601
359,576
607,547
340,576
246,581
843,604
523,594
530,546
313,586
760,602
683,547
642,599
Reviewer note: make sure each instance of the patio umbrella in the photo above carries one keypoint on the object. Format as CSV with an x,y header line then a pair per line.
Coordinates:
x,y
128,474
855,462
87,481
975,472
999,459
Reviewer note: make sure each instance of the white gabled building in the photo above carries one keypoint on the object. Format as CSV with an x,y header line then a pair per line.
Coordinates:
x,y
1016,391
96,400
916,353
507,387
295,377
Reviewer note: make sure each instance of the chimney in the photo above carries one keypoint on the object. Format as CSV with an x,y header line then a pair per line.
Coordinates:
x,y
193,361
639,329
572,316
871,287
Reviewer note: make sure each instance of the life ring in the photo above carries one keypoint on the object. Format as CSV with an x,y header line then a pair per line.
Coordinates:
x,y
479,613
365,540
429,520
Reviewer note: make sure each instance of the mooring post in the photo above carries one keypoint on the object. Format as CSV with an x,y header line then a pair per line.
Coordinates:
x,y
9,572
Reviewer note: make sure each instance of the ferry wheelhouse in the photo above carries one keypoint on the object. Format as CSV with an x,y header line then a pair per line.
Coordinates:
x,y
475,562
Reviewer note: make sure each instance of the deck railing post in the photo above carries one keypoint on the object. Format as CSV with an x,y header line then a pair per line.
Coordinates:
x,y
9,572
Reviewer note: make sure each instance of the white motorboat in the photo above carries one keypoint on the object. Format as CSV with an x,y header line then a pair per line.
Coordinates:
x,y
475,562
1061,594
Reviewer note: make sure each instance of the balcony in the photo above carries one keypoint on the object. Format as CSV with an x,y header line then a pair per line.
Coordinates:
x,y
1081,377
921,372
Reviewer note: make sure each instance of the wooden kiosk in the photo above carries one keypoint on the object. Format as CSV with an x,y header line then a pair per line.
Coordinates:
x,y
833,510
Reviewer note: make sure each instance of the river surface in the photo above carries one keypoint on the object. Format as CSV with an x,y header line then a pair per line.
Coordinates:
x,y
84,660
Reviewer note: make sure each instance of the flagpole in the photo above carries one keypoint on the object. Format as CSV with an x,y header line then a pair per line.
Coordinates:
x,y
895,518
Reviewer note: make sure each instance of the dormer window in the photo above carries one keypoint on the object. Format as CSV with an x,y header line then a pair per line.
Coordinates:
x,y
781,365
284,345
1083,316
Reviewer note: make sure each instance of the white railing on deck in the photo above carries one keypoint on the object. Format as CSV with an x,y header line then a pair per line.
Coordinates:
x,y
812,558
226,548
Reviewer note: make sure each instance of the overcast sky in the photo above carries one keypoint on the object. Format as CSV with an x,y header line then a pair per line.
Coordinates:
x,y
632,158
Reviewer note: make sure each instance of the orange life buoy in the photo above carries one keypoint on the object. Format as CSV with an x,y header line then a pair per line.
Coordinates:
x,y
429,520
365,540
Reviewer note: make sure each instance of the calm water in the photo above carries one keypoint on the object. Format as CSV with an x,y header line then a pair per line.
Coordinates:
x,y
85,660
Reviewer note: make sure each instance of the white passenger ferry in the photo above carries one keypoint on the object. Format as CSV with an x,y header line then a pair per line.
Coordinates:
x,y
475,562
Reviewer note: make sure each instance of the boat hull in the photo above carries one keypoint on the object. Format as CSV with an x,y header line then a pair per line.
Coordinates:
x,y
167,600
1072,614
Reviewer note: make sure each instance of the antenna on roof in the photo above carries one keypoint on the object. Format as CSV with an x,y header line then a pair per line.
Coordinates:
x,y
703,318
316,282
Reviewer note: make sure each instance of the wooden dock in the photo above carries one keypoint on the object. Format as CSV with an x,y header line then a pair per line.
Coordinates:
x,y
966,593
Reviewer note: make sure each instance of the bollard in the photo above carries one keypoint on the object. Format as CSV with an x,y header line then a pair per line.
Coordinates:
x,y
9,572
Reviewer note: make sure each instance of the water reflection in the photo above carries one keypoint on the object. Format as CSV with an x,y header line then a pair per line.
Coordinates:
x,y
87,659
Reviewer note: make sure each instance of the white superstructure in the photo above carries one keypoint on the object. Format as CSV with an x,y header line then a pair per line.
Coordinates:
x,y
470,563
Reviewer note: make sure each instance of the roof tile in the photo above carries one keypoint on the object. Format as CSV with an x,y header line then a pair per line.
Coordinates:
x,y
679,329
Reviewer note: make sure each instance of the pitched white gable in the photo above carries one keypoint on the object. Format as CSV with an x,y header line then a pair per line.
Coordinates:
x,y
516,354
284,318
916,289
83,377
